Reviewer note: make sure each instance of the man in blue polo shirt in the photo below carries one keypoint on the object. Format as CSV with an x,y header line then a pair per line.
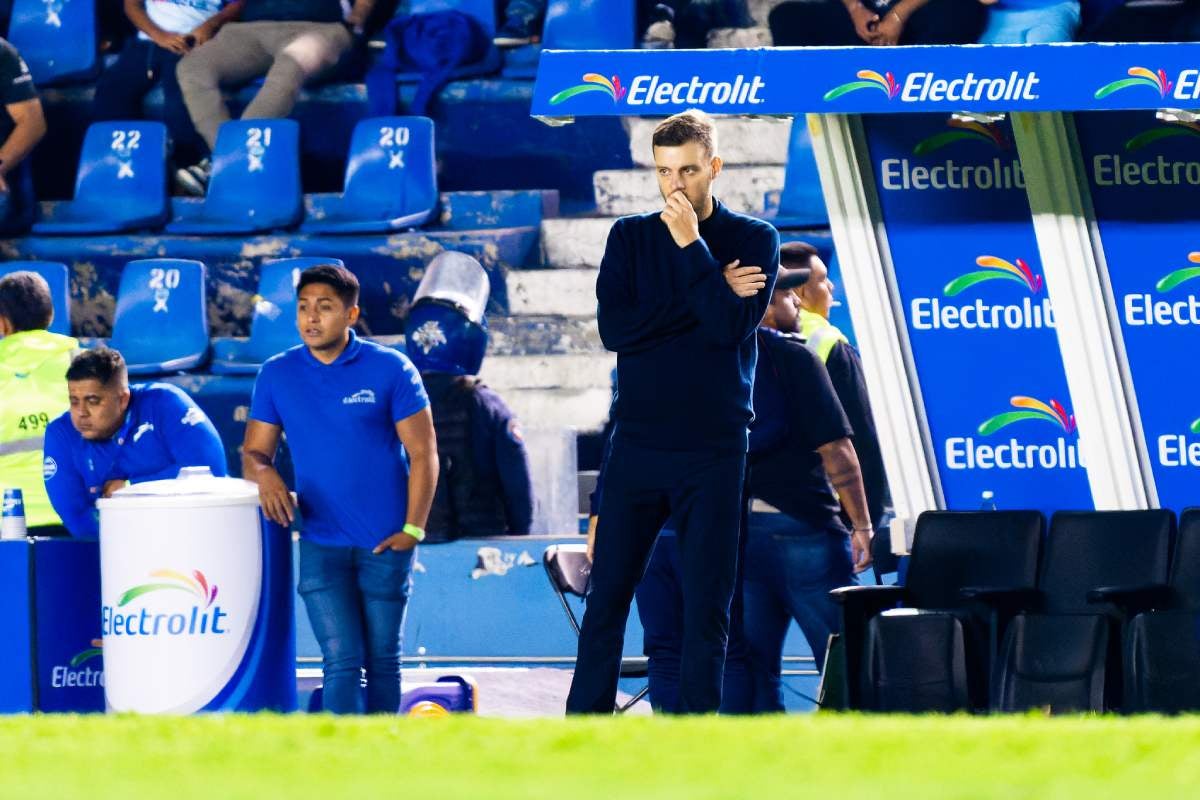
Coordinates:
x,y
115,434
362,440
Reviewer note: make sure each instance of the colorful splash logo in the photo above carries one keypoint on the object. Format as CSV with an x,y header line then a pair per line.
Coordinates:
x,y
1195,426
170,580
963,130
867,79
592,82
1029,408
1167,130
995,269
1139,76
1179,276
83,656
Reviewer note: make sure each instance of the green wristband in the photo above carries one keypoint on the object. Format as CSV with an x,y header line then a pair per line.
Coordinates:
x,y
414,531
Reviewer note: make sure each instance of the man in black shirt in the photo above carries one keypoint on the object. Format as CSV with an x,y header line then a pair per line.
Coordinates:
x,y
22,125
802,464
845,368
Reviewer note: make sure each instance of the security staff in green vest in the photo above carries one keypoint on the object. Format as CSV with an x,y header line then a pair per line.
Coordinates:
x,y
845,368
33,391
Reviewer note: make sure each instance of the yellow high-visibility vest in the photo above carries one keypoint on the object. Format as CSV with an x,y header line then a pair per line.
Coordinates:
x,y
820,335
33,391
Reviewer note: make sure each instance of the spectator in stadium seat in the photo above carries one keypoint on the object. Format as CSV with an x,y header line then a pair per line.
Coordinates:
x,y
362,442
167,31
687,23
1030,21
33,363
22,126
115,434
802,470
667,312
876,22
287,41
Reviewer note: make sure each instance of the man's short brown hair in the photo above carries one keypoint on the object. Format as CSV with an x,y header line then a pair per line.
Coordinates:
x,y
26,302
689,126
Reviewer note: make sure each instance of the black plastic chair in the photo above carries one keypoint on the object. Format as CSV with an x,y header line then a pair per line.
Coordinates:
x,y
1098,569
1162,647
568,568
934,654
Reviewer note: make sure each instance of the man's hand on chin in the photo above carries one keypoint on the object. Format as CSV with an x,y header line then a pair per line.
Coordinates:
x,y
681,219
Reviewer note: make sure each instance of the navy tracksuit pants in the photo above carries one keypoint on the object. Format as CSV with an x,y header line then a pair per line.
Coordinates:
x,y
701,492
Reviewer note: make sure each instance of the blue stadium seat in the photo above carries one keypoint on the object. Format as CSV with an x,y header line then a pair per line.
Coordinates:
x,y
589,25
273,327
57,39
121,184
58,277
162,322
255,183
391,179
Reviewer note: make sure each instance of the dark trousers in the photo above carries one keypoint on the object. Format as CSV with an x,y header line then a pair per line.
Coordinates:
x,y
660,608
701,492
123,86
827,23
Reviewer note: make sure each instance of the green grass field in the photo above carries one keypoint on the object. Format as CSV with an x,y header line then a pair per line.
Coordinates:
x,y
219,757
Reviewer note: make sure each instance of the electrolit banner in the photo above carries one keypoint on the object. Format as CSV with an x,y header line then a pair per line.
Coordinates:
x,y
857,80
1145,183
979,317
66,593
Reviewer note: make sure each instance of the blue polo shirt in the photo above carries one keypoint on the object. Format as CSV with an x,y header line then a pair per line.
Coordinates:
x,y
340,423
164,431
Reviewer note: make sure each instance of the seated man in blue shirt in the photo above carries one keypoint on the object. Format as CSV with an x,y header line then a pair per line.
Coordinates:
x,y
362,441
116,434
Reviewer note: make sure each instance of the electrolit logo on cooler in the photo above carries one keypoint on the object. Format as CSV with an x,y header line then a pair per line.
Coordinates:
x,y
197,615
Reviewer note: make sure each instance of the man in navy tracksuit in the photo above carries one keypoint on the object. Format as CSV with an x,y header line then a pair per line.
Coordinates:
x,y
115,434
685,368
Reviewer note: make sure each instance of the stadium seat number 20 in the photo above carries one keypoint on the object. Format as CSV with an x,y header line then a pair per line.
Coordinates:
x,y
394,141
164,278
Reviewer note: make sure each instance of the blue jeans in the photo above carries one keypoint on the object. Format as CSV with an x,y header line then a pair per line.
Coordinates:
x,y
790,569
1056,23
356,602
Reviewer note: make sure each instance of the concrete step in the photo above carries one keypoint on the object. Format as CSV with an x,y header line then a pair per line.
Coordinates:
x,y
582,409
741,141
565,292
632,191
576,372
575,241
543,335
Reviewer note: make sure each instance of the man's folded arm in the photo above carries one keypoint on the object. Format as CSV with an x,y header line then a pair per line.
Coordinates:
x,y
725,317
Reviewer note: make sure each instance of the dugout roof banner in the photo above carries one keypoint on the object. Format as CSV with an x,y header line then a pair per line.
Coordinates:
x,y
866,80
